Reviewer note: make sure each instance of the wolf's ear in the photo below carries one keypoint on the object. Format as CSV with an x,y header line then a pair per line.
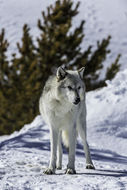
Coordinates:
x,y
81,72
60,74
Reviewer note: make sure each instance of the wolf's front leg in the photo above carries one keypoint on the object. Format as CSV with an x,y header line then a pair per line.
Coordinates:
x,y
53,147
59,152
71,159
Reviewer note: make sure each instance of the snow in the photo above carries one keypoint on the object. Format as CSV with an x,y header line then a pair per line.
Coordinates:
x,y
25,154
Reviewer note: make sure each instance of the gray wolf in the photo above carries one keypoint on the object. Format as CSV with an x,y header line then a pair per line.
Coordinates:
x,y
62,106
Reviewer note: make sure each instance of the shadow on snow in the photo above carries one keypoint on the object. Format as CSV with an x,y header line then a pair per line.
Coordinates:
x,y
103,155
33,138
106,173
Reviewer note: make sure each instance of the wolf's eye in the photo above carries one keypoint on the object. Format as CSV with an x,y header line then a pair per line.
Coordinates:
x,y
79,87
69,87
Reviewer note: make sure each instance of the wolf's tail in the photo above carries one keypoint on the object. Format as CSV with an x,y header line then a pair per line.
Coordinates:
x,y
65,138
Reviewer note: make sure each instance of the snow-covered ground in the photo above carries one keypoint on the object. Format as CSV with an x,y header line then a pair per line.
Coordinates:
x,y
25,154
102,18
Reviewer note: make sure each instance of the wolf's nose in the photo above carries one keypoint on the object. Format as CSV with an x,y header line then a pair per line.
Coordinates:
x,y
77,100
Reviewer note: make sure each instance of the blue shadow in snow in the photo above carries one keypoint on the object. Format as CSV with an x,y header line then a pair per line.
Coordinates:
x,y
26,140
103,155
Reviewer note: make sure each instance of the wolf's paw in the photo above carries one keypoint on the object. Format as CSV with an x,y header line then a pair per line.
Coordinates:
x,y
49,171
90,166
70,171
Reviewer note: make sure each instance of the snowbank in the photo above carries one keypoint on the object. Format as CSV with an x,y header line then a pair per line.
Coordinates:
x,y
107,111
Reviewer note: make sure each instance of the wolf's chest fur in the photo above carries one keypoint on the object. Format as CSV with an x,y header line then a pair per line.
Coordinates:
x,y
61,114
61,109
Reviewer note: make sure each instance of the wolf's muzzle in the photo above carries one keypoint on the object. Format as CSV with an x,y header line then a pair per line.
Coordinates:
x,y
77,100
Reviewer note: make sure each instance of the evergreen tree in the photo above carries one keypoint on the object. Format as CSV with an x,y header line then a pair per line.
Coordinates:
x,y
19,104
57,45
26,80
4,65
5,87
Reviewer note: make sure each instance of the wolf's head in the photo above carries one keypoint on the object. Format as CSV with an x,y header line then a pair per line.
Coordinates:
x,y
70,85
